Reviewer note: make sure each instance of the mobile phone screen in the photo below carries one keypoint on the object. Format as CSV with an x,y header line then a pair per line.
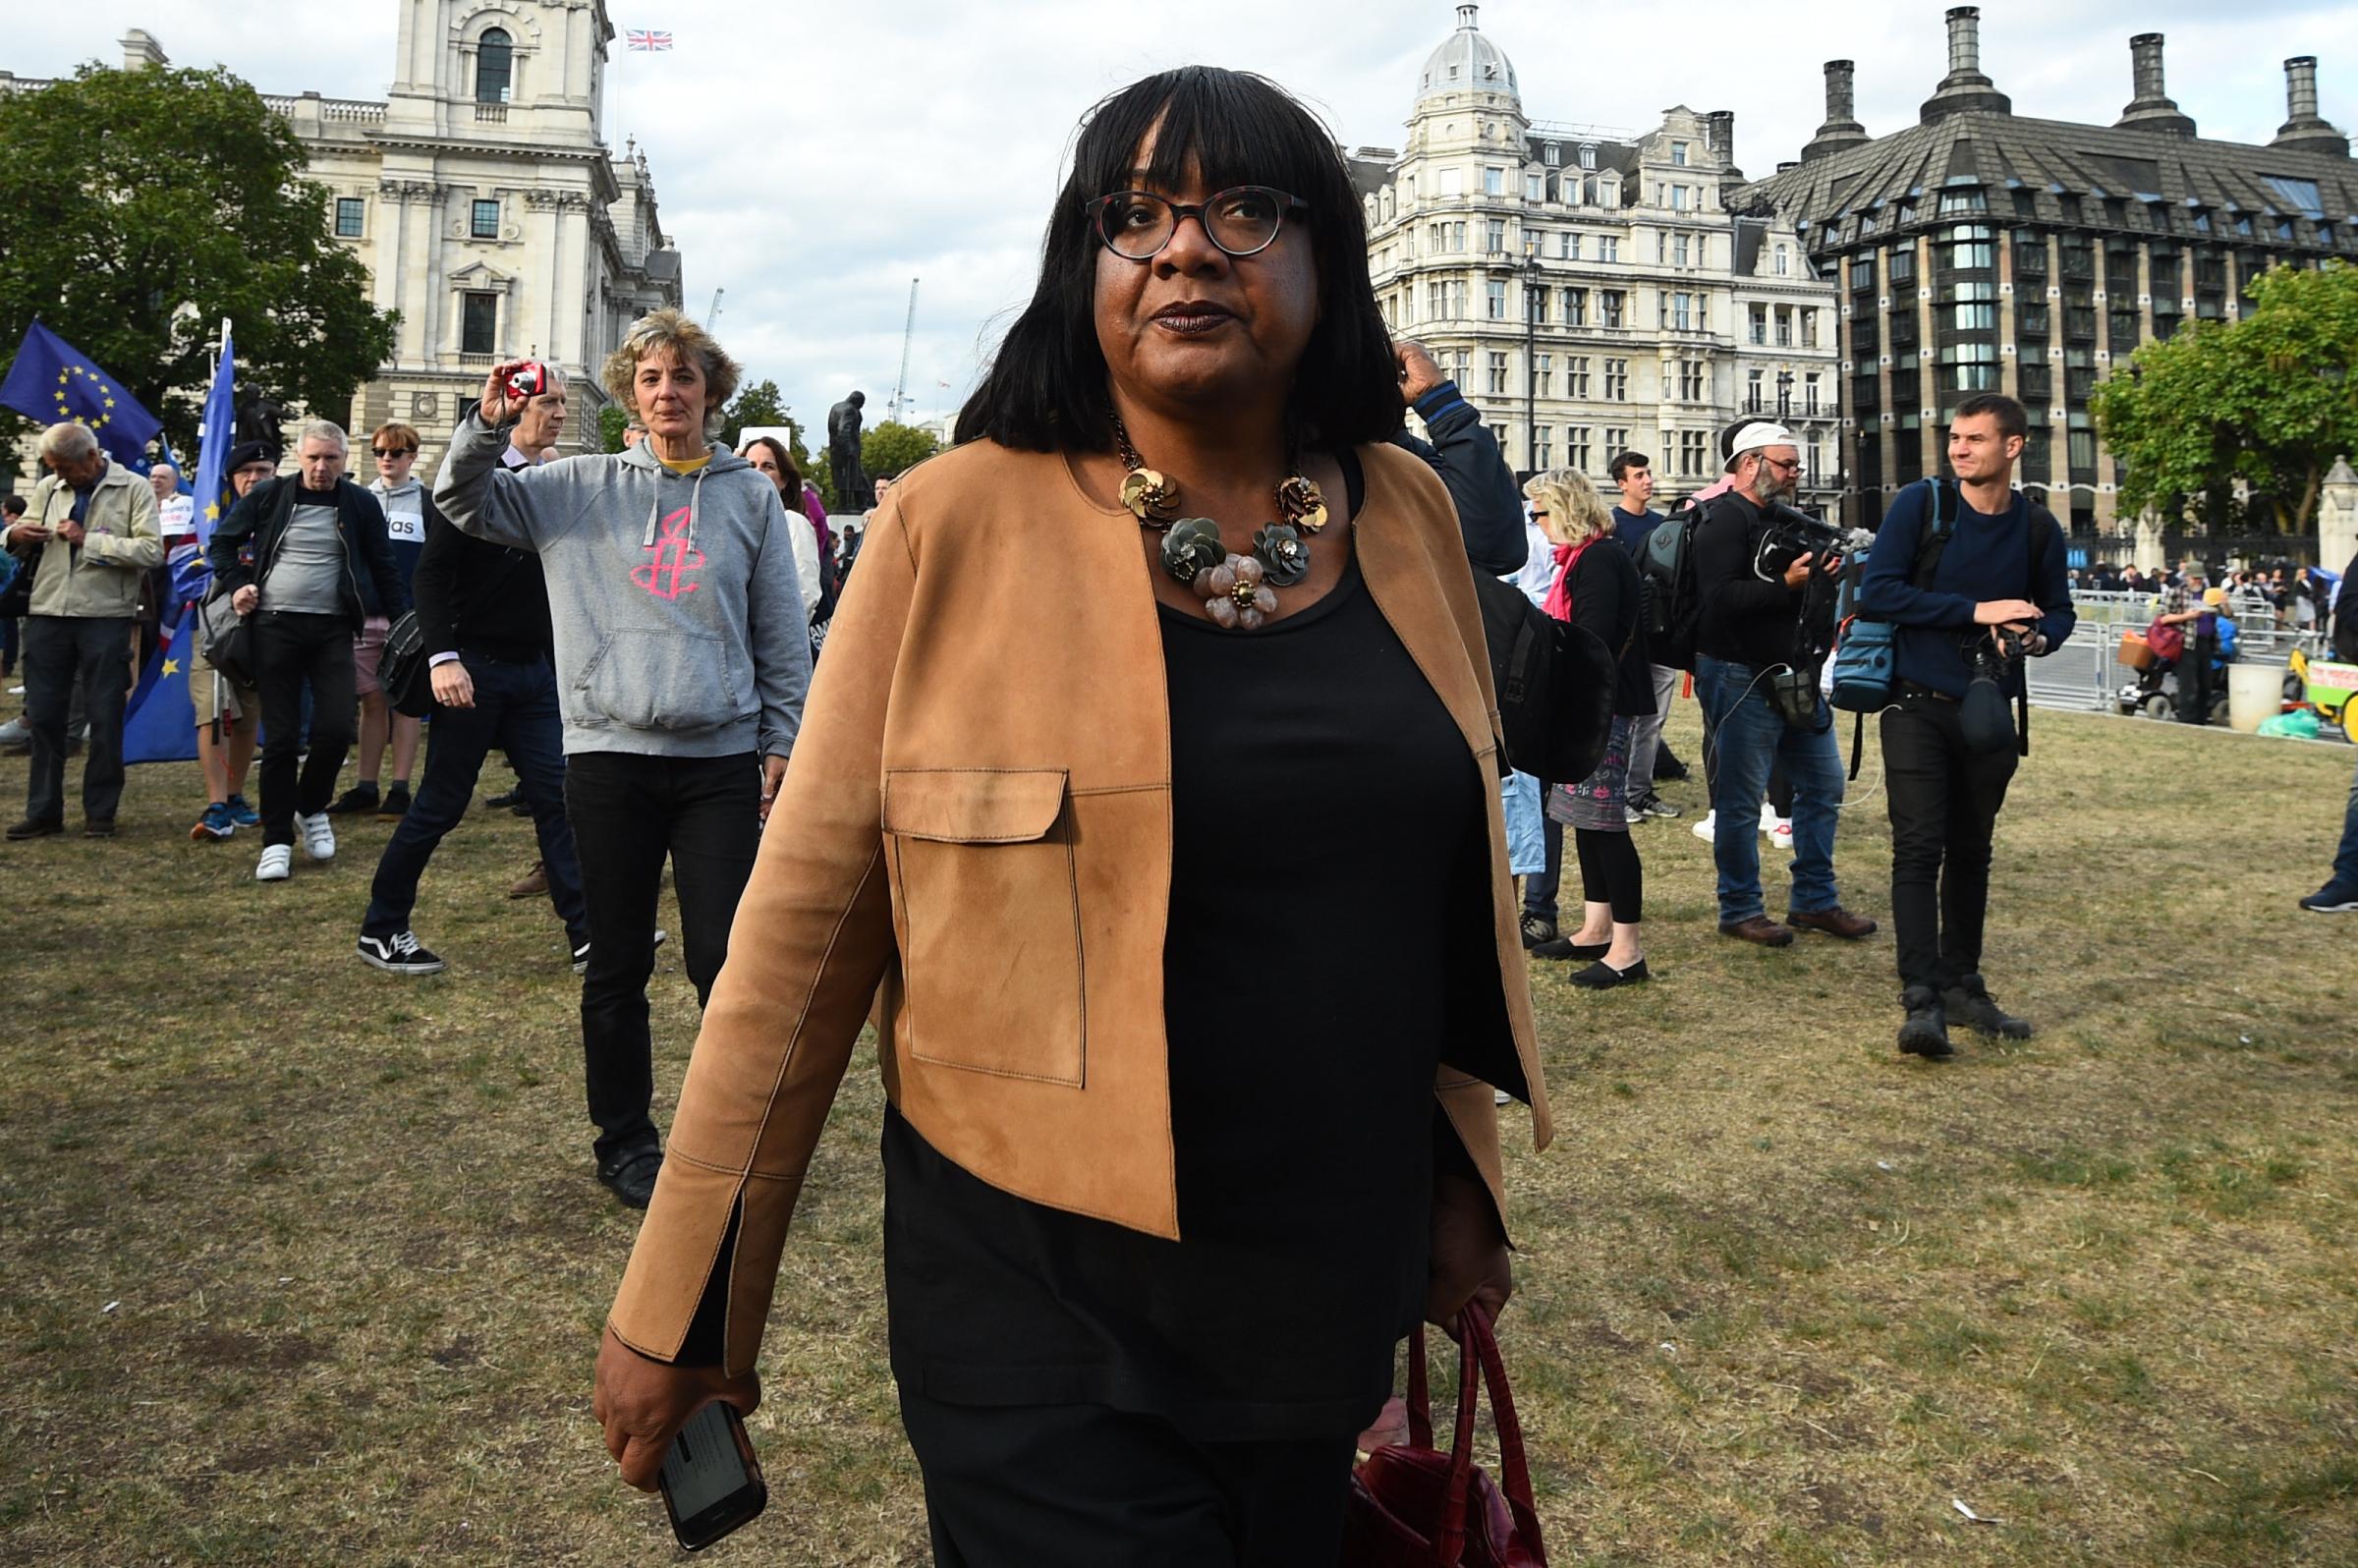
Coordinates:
x,y
712,1482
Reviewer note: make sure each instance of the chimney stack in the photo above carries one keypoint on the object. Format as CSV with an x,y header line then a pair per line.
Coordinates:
x,y
2305,131
2152,109
1965,89
1842,128
140,52
1722,130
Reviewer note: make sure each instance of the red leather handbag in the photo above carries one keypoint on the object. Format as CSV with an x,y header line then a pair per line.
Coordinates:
x,y
1412,1507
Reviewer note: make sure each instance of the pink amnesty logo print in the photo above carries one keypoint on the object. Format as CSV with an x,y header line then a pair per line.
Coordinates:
x,y
668,576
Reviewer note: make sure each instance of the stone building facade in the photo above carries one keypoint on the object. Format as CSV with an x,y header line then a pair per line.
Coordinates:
x,y
1592,291
480,196
1981,249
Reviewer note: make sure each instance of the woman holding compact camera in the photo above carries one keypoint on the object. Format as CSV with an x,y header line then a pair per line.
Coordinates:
x,y
682,657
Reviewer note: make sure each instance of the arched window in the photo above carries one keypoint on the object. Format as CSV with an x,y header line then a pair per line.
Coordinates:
x,y
494,65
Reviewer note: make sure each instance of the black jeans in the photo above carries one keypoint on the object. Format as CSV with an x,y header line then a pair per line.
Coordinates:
x,y
1944,800
515,709
1084,1485
629,812
60,649
294,653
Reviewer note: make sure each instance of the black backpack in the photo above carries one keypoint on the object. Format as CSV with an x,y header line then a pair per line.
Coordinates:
x,y
1554,683
1666,571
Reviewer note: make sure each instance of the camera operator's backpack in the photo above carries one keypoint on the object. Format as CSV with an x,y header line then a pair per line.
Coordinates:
x,y
1673,600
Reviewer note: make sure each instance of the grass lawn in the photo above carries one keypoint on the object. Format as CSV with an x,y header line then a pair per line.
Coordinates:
x,y
303,1263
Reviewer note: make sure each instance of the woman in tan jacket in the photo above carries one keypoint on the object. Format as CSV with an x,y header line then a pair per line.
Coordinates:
x,y
1150,793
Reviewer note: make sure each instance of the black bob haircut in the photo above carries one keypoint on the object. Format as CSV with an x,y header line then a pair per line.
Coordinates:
x,y
1046,387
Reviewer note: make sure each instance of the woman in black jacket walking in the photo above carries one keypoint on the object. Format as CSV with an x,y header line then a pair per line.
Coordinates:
x,y
1598,589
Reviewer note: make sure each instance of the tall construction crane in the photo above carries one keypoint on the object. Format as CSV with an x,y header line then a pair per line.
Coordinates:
x,y
900,387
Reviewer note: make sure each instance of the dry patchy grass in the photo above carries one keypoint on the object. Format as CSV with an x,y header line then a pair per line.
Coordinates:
x,y
303,1263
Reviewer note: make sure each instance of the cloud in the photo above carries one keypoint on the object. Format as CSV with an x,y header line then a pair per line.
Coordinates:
x,y
810,161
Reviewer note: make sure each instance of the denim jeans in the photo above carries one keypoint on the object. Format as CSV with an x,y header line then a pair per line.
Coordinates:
x,y
1750,737
629,812
514,709
1519,798
2345,860
59,652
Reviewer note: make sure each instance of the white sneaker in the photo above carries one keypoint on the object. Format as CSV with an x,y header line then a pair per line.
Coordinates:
x,y
1781,835
276,865
318,836
1767,817
1706,827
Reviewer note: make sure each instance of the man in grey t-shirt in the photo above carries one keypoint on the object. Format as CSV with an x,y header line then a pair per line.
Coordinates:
x,y
320,565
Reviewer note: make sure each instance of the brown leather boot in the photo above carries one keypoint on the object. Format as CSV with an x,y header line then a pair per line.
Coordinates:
x,y
1834,920
1758,928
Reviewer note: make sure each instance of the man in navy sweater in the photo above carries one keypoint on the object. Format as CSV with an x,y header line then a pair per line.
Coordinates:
x,y
1945,796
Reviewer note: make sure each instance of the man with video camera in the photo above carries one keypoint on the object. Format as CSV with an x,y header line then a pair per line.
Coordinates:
x,y
1767,579
1972,574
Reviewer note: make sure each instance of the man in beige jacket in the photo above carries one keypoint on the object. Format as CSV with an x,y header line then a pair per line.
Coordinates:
x,y
91,529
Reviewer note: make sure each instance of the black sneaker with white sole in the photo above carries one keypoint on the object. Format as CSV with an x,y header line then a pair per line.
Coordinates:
x,y
399,954
2331,900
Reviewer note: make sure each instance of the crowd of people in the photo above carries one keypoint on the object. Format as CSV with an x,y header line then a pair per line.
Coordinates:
x,y
1131,680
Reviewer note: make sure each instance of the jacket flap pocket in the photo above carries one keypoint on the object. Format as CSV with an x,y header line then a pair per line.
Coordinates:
x,y
973,804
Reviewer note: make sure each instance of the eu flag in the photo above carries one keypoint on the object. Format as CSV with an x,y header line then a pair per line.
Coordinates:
x,y
159,722
54,382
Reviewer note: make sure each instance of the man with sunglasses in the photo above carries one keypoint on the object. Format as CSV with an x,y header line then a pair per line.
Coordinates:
x,y
395,448
1767,617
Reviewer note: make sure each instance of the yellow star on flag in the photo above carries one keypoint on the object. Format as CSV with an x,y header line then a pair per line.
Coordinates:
x,y
171,666
212,513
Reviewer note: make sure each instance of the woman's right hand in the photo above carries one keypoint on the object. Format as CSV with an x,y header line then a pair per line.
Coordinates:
x,y
497,406
642,1403
245,599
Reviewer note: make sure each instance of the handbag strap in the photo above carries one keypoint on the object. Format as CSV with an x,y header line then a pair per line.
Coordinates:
x,y
1515,1470
1420,1392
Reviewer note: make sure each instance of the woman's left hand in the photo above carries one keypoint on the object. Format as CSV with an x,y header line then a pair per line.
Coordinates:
x,y
773,774
1470,1256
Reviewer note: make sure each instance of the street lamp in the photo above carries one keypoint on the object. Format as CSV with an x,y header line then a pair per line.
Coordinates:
x,y
1530,343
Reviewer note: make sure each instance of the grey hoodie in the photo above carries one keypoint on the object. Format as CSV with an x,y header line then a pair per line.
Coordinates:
x,y
680,629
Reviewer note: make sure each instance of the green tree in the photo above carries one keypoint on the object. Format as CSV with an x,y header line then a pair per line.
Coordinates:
x,y
894,447
612,419
2271,400
142,206
754,406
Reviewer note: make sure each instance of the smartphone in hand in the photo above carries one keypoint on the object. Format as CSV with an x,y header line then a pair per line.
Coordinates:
x,y
712,1482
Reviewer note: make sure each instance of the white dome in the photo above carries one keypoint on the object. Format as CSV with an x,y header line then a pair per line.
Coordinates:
x,y
1468,62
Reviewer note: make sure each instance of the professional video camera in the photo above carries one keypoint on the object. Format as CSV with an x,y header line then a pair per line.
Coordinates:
x,y
1792,534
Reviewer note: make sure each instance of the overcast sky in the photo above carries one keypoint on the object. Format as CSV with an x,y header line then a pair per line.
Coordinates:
x,y
812,160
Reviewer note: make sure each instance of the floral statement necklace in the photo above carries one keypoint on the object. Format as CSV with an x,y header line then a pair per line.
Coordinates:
x,y
1239,592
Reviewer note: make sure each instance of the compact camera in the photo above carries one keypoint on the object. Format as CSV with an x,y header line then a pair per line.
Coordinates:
x,y
527,381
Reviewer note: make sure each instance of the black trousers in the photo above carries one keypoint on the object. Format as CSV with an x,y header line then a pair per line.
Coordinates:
x,y
629,812
293,653
1087,1485
515,707
59,650
1944,800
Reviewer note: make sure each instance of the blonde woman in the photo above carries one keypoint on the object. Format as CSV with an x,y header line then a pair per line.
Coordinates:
x,y
1598,589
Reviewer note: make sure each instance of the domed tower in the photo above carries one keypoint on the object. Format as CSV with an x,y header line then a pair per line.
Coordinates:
x,y
1467,95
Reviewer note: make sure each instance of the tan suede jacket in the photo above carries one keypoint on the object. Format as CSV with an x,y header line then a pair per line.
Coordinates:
x,y
975,836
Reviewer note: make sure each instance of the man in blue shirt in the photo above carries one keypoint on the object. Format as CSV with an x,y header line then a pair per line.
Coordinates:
x,y
2001,571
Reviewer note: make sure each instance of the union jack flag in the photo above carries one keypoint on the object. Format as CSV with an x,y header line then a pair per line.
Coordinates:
x,y
648,42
